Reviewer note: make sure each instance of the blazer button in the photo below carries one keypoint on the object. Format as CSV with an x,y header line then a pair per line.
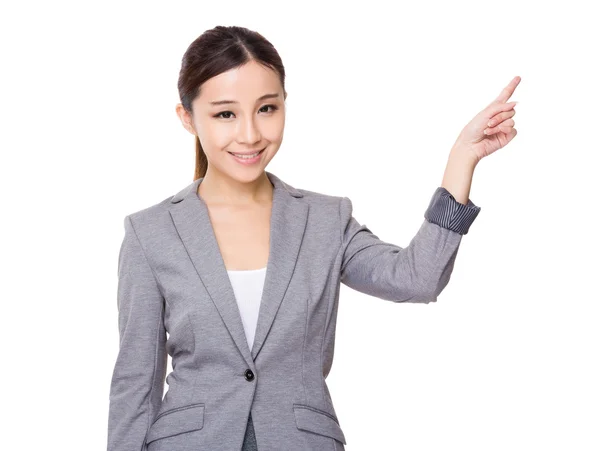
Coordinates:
x,y
249,374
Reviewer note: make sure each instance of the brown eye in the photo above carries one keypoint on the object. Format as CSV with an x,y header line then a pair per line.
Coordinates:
x,y
270,106
223,112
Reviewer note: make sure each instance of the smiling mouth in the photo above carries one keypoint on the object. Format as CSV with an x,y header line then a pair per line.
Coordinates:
x,y
247,156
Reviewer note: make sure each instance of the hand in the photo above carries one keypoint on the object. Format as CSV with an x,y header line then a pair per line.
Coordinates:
x,y
492,129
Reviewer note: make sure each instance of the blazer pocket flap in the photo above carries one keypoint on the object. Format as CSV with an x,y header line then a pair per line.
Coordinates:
x,y
177,421
318,421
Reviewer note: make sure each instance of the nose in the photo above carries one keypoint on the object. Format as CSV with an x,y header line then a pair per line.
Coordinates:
x,y
248,133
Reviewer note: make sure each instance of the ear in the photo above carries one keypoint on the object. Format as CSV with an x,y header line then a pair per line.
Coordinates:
x,y
186,118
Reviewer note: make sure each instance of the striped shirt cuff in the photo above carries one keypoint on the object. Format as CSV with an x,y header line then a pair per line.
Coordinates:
x,y
445,211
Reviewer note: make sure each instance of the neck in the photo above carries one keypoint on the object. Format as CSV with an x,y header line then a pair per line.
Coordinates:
x,y
218,188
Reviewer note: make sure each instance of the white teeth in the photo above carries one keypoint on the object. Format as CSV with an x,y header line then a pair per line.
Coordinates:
x,y
246,156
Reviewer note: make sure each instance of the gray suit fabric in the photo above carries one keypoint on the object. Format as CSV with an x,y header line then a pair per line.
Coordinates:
x,y
175,298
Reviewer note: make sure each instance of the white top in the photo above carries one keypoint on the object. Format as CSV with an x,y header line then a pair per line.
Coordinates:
x,y
248,287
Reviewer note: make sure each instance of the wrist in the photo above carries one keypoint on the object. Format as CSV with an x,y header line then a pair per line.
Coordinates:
x,y
459,174
461,155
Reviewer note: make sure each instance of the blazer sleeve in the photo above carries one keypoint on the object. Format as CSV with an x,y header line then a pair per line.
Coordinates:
x,y
416,273
137,383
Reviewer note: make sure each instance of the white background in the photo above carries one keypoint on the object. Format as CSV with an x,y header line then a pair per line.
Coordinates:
x,y
507,359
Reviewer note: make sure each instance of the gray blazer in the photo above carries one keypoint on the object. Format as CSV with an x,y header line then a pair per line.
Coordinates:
x,y
175,297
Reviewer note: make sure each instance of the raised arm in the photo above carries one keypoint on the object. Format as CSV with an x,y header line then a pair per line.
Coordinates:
x,y
137,384
420,271
416,273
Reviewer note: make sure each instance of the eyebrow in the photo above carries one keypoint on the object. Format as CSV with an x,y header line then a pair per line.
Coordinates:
x,y
225,102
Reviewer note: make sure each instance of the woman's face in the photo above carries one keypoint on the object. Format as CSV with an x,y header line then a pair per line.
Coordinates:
x,y
239,111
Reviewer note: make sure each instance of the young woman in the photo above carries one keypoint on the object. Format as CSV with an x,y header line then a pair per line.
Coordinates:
x,y
243,271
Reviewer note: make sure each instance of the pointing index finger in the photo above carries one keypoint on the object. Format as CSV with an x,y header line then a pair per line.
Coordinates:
x,y
508,90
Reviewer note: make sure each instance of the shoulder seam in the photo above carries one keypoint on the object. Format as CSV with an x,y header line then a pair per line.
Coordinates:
x,y
156,279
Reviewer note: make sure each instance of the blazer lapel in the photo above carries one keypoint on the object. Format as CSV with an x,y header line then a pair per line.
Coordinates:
x,y
289,215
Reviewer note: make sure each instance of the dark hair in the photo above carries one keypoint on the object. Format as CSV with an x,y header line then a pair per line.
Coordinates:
x,y
216,51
